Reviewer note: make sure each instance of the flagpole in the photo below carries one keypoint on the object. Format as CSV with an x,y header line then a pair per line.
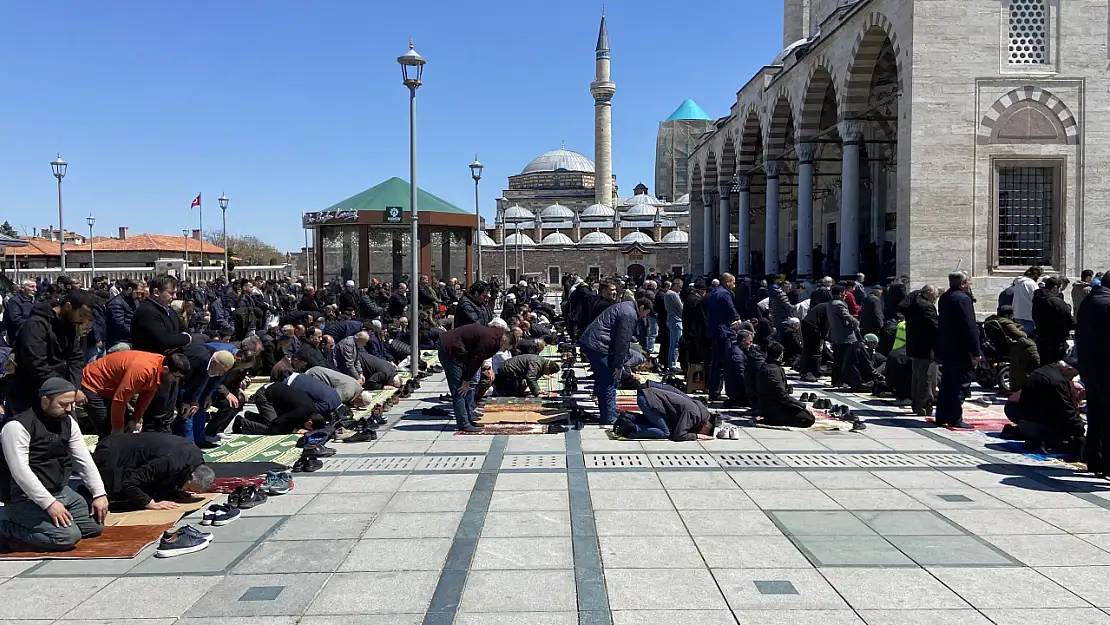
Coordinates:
x,y
200,209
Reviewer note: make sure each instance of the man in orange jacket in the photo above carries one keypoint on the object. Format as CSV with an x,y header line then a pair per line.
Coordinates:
x,y
110,382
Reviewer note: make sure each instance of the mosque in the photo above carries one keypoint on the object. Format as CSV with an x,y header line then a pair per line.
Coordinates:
x,y
561,213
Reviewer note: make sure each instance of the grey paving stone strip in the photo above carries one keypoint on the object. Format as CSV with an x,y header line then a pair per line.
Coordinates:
x,y
593,600
452,580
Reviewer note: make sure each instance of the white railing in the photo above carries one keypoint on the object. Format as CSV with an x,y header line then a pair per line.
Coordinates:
x,y
84,275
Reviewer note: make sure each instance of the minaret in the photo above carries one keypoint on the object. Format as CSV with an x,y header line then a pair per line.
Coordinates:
x,y
603,89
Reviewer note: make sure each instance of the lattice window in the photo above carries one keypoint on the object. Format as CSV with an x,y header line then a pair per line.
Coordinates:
x,y
1028,39
1025,216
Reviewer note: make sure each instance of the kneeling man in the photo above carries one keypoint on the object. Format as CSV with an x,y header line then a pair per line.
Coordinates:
x,y
151,470
665,414
520,375
42,445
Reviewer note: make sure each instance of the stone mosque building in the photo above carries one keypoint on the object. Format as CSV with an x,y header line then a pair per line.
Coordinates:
x,y
914,137
561,213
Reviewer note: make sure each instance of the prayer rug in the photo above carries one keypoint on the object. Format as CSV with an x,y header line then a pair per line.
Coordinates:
x,y
522,416
281,449
244,469
493,429
159,517
117,541
980,419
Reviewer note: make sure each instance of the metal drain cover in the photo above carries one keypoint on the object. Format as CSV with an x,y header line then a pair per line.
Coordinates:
x,y
816,460
884,460
660,461
534,461
749,460
383,463
948,460
451,463
599,461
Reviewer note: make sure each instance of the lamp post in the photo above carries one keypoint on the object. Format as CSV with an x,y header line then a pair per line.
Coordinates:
x,y
476,174
92,249
185,269
412,70
59,166
223,208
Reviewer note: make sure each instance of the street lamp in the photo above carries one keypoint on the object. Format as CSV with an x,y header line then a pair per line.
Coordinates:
x,y
185,269
92,249
223,208
476,174
412,69
59,167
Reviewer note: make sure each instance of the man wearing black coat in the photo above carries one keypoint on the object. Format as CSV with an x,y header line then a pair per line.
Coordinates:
x,y
815,329
1052,319
120,312
150,470
473,306
1047,411
18,309
1092,341
921,337
957,348
398,302
693,347
49,345
776,406
578,309
155,328
871,314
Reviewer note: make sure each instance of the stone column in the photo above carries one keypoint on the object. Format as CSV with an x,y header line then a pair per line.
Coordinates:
x,y
851,132
707,231
743,230
724,255
806,153
771,236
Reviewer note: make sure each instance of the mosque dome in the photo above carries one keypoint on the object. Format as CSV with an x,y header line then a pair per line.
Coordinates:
x,y
637,237
486,240
639,212
596,238
517,214
560,160
676,236
645,198
519,240
557,238
556,212
598,212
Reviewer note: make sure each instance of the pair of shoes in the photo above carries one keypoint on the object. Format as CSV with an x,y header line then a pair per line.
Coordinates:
x,y
364,432
808,377
219,514
246,497
319,451
277,482
858,426
822,403
207,444
471,429
728,432
318,437
307,464
436,411
960,425
807,397
377,415
181,541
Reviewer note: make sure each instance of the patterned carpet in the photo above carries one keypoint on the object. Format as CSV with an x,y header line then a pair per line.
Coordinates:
x,y
248,448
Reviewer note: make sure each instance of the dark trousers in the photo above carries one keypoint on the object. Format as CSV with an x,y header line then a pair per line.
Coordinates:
x,y
223,416
716,365
839,351
811,349
276,414
924,383
160,413
99,410
28,523
505,386
1097,444
1050,350
955,385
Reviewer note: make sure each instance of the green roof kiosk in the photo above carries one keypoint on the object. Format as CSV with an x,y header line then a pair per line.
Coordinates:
x,y
366,237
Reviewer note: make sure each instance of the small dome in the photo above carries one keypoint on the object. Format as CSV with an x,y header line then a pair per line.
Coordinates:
x,y
676,236
598,212
557,238
645,198
637,237
639,212
520,240
517,214
596,238
556,212
560,160
486,240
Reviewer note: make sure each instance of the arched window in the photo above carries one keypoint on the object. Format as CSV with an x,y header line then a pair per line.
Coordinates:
x,y
1028,40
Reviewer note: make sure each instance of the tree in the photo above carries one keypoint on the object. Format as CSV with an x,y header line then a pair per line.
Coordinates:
x,y
7,230
248,248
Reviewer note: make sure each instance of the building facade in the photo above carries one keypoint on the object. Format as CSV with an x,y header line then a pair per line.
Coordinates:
x,y
914,137
124,250
674,143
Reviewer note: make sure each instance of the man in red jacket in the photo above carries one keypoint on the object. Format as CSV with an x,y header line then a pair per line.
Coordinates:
x,y
462,352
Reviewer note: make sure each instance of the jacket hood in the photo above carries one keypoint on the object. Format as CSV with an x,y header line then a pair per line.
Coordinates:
x,y
44,309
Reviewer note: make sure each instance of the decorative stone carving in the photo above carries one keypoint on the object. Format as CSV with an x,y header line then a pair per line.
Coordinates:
x,y
851,130
806,152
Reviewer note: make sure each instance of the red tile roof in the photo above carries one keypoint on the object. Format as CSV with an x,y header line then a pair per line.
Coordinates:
x,y
38,246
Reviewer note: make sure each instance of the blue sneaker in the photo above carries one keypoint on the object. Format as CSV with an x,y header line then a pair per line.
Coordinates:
x,y
217,514
180,542
278,482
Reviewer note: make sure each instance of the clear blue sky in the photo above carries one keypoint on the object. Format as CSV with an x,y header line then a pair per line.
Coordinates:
x,y
292,106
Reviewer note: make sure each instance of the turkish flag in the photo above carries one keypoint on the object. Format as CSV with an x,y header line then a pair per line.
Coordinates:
x,y
196,202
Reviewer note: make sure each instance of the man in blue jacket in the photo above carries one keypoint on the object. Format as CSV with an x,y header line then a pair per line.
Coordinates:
x,y
18,309
120,310
957,349
605,344
721,323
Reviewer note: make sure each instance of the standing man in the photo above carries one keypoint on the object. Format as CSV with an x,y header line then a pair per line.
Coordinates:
x,y
42,444
672,302
50,345
120,312
1053,321
843,330
1024,287
721,322
462,352
957,349
155,328
18,308
921,336
1092,341
605,344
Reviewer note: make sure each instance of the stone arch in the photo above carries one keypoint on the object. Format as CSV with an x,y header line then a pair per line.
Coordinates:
x,y
710,179
1028,115
780,126
868,60
728,158
821,81
695,183
750,140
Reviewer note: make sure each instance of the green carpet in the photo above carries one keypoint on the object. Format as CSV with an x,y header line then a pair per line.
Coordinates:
x,y
281,449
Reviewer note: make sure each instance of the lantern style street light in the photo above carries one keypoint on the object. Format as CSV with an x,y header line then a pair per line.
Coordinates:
x,y
412,70
223,208
59,166
476,174
92,249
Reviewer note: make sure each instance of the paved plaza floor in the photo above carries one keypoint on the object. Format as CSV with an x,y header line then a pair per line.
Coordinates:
x,y
901,524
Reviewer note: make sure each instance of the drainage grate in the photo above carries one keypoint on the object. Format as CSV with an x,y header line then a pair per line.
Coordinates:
x,y
660,461
948,460
816,460
883,460
383,463
451,463
749,460
598,461
534,461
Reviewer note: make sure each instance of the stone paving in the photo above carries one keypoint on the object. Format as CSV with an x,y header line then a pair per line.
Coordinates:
x,y
898,525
